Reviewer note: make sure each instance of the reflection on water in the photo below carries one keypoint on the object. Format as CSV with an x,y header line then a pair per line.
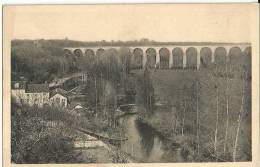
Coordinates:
x,y
143,143
147,138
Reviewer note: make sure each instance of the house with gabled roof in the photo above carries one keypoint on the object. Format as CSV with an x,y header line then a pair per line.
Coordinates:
x,y
58,98
38,94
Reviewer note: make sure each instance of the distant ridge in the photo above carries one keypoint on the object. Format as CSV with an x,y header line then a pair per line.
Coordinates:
x,y
146,42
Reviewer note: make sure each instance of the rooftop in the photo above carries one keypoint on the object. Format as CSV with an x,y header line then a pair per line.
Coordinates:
x,y
58,91
37,88
18,84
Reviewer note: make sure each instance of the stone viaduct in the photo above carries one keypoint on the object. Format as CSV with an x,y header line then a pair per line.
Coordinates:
x,y
178,55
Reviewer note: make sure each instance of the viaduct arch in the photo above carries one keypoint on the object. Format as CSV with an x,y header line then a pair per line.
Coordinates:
x,y
193,56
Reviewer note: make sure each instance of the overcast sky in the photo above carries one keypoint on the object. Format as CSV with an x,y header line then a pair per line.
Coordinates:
x,y
129,22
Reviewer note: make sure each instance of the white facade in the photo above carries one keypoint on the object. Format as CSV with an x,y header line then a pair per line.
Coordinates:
x,y
31,99
18,95
30,94
38,94
59,100
38,99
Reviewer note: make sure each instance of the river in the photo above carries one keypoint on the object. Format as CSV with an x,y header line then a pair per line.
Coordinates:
x,y
144,144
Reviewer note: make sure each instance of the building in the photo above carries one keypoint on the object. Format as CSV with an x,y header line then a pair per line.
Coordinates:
x,y
18,91
30,94
173,55
58,98
37,94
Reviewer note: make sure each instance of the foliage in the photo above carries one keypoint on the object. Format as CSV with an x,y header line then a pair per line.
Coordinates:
x,y
145,91
38,63
33,142
180,86
205,90
118,157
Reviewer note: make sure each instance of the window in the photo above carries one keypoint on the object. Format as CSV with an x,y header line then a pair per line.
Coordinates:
x,y
63,103
16,85
57,101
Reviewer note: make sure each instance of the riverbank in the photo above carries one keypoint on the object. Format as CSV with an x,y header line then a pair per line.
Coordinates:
x,y
97,151
90,147
61,124
166,125
200,103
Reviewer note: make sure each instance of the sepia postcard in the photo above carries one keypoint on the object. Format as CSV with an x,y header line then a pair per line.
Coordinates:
x,y
131,85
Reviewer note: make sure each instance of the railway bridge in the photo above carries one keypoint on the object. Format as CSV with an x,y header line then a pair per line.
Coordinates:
x,y
174,55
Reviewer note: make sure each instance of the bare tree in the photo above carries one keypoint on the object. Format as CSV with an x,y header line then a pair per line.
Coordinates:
x,y
239,120
216,129
96,95
198,122
183,118
227,110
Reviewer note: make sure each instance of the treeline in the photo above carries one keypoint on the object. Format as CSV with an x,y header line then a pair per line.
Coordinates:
x,y
41,61
37,63
72,43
